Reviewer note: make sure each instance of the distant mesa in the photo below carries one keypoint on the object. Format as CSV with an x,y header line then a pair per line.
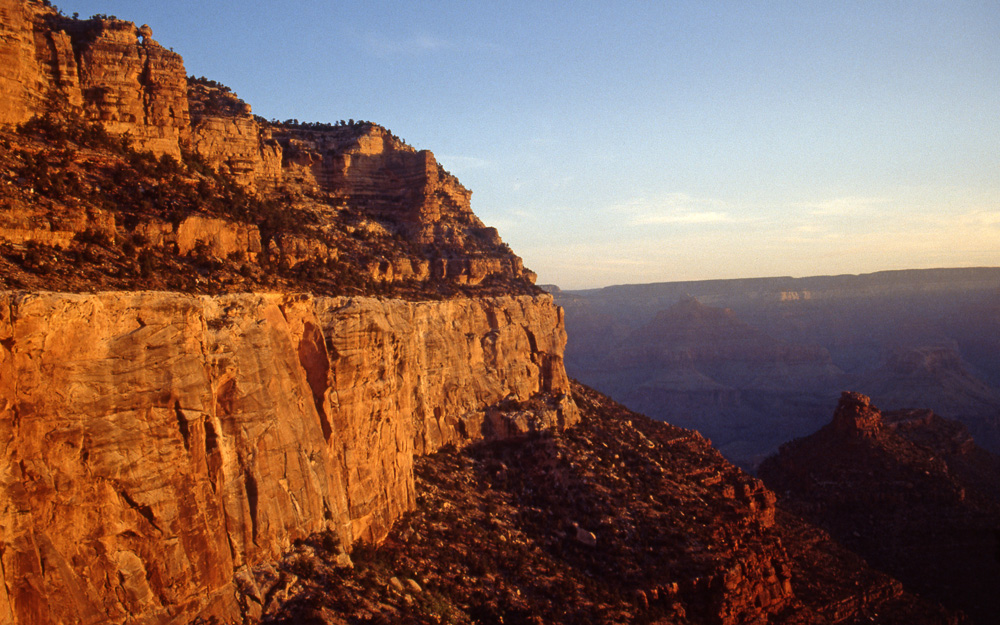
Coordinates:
x,y
751,367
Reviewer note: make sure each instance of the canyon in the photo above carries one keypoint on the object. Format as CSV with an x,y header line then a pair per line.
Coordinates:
x,y
620,519
754,363
261,372
222,336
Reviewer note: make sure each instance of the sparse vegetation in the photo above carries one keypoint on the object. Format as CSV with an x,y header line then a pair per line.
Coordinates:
x,y
65,161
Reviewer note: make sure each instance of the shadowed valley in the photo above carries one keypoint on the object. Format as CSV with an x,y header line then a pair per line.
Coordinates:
x,y
754,363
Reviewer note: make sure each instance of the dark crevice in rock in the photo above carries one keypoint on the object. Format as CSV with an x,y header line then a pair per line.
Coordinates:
x,y
182,425
314,360
250,484
211,438
491,317
145,511
225,397
531,339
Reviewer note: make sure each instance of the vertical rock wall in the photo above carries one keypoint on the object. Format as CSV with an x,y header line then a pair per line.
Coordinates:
x,y
21,82
133,85
155,445
112,71
443,370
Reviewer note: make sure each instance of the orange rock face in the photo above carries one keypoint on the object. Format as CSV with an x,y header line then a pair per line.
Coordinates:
x,y
113,73
156,445
220,237
373,171
116,72
229,138
20,75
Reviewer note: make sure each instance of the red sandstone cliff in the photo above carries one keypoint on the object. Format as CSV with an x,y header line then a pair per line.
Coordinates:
x,y
113,73
157,446
112,70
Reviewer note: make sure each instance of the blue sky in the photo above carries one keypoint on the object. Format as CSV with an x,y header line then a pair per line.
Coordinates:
x,y
624,142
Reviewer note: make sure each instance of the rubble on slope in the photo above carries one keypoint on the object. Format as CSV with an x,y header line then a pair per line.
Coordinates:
x,y
618,520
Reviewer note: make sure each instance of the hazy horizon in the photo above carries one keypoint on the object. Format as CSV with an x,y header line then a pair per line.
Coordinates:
x,y
773,277
615,143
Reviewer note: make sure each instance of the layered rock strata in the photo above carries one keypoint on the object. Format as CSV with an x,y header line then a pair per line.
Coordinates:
x,y
110,69
228,136
113,73
156,446
366,168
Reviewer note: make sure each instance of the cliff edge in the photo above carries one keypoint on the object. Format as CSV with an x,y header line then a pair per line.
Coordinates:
x,y
220,335
157,446
108,140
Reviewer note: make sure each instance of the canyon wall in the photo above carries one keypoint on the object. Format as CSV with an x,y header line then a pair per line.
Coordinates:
x,y
113,73
366,168
158,446
162,449
110,70
229,137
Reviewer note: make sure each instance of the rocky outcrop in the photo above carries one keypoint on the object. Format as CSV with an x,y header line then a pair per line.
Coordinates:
x,y
856,417
157,446
218,237
357,193
132,85
229,137
20,74
366,164
36,222
366,168
112,71
907,490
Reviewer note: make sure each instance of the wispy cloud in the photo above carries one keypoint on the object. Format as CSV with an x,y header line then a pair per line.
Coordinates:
x,y
847,205
512,220
674,208
383,46
456,163
681,217
988,219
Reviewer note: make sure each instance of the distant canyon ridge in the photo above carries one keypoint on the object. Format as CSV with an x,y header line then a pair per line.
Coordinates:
x,y
753,363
